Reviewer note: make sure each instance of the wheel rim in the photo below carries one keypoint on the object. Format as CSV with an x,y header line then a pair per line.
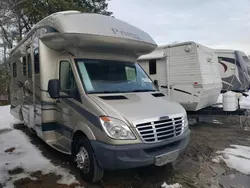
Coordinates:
x,y
82,160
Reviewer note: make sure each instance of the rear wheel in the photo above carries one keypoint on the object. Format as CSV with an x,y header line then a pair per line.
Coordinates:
x,y
86,162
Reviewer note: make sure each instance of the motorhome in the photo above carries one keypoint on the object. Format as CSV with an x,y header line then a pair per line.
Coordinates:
x,y
187,72
234,70
75,83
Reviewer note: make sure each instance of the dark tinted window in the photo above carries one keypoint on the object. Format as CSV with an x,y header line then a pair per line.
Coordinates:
x,y
24,66
14,70
29,66
36,61
152,66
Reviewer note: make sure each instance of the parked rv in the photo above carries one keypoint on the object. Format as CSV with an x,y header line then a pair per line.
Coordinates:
x,y
234,70
76,83
187,72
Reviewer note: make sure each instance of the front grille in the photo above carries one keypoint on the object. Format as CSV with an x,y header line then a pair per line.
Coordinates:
x,y
161,130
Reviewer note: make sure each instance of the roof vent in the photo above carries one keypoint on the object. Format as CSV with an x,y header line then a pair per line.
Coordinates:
x,y
158,94
113,97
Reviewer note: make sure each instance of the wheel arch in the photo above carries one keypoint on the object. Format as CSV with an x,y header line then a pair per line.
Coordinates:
x,y
81,130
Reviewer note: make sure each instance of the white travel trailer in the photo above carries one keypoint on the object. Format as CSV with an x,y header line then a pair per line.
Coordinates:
x,y
76,83
188,72
234,69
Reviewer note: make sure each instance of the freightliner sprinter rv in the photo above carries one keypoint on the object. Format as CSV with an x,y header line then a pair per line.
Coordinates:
x,y
76,83
188,72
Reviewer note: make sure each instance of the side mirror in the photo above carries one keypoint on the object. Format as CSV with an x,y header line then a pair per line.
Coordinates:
x,y
156,83
54,88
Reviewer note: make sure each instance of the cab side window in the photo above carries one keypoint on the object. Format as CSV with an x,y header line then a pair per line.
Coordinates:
x,y
14,69
24,66
29,66
67,80
36,61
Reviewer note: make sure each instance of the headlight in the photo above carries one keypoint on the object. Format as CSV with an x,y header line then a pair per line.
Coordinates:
x,y
116,129
185,122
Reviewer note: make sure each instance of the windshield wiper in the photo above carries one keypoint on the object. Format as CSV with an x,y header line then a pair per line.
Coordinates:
x,y
143,90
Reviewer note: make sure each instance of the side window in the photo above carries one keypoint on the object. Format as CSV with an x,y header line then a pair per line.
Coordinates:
x,y
24,66
152,66
130,72
14,70
67,80
36,61
29,66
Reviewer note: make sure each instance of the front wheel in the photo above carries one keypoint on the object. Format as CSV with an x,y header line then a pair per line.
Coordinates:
x,y
86,162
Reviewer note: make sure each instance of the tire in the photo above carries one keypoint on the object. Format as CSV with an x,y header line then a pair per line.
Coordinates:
x,y
89,169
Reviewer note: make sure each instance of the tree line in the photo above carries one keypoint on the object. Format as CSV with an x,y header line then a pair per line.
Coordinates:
x,y
17,17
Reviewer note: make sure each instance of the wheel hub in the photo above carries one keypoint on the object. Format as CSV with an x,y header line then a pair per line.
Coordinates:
x,y
82,160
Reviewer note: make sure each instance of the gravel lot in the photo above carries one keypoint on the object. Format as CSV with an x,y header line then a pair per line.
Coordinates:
x,y
195,169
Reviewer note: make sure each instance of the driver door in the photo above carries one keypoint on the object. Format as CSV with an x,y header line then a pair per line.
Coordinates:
x,y
65,112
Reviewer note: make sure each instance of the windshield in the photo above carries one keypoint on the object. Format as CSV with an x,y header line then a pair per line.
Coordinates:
x,y
108,76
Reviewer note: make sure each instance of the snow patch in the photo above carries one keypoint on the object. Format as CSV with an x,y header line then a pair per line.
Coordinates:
x,y
245,101
23,155
237,157
216,160
176,185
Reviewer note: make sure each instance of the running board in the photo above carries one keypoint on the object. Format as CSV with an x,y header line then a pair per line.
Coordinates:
x,y
57,146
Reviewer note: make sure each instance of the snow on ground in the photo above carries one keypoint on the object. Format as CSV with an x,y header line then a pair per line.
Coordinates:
x,y
176,185
236,157
245,101
17,151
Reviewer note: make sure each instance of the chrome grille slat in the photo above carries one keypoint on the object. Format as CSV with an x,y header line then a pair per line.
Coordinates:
x,y
143,131
157,128
165,131
163,123
145,126
160,130
179,124
148,134
165,135
179,131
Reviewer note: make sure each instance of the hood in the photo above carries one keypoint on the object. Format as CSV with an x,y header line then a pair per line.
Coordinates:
x,y
137,106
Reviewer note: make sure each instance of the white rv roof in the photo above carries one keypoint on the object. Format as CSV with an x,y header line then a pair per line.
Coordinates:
x,y
159,52
224,51
72,28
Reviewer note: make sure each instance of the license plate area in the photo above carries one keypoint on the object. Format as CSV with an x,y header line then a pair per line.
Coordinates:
x,y
166,158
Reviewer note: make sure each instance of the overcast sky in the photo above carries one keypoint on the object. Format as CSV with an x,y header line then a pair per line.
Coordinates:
x,y
215,23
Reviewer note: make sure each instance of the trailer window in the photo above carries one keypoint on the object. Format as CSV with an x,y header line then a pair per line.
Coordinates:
x,y
29,66
24,66
152,66
36,61
14,70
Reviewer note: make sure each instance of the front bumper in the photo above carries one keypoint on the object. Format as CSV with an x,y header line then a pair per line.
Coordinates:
x,y
111,157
